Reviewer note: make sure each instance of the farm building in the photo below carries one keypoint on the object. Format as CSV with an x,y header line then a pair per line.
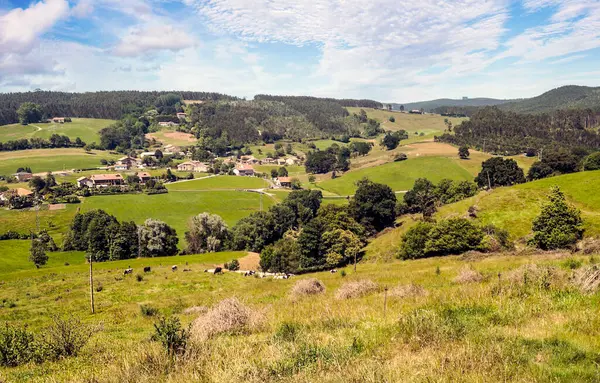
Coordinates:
x,y
21,192
125,163
103,180
144,177
284,182
84,182
249,159
181,115
192,166
244,170
168,124
23,176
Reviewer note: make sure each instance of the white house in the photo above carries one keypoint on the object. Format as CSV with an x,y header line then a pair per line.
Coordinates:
x,y
244,170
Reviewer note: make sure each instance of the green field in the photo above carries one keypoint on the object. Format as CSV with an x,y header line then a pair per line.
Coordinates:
x,y
510,208
85,128
398,175
486,331
44,160
220,183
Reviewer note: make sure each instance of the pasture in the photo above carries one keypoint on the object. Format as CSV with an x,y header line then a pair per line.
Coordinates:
x,y
219,183
45,160
399,176
85,128
173,137
491,330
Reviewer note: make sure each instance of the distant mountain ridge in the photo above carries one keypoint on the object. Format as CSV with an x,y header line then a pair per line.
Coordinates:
x,y
564,97
429,106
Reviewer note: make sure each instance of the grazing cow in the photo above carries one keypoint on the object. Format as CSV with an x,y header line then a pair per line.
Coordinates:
x,y
218,270
174,268
147,269
127,271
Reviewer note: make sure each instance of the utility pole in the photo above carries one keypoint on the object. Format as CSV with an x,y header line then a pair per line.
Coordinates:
x,y
91,285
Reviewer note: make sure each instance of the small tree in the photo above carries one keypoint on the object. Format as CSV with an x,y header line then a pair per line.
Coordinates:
x,y
296,184
37,184
592,162
157,239
282,172
29,112
312,179
208,232
37,253
463,152
559,225
273,173
500,172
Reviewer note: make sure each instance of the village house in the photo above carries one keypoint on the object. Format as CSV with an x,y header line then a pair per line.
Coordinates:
x,y
243,170
181,115
284,182
249,159
18,191
292,160
167,124
103,180
268,160
84,182
193,166
125,163
23,176
144,177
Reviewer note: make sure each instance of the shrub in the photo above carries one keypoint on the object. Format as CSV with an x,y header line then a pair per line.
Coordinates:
x,y
168,331
309,286
414,240
139,277
559,225
16,346
233,265
65,337
408,291
229,316
468,275
356,289
592,162
148,311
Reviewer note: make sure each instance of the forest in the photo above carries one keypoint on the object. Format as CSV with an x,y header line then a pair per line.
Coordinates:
x,y
508,133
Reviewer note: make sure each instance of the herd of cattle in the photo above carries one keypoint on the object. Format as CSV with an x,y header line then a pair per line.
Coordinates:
x,y
219,270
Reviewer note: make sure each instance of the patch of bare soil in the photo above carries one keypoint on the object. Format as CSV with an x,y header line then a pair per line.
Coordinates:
x,y
431,149
250,261
57,206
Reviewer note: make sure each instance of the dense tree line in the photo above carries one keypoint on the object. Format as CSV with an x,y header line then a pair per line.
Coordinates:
x,y
509,133
108,104
55,141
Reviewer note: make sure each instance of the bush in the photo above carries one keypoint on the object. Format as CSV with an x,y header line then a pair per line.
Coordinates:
x,y
168,331
65,337
233,265
414,240
559,225
356,289
400,157
309,286
592,162
229,316
17,346
148,311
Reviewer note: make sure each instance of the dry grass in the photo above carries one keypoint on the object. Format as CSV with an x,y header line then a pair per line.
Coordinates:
x,y
195,310
306,287
229,316
468,275
408,291
588,280
540,275
356,289
589,246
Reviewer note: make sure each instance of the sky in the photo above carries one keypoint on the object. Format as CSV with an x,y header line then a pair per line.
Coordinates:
x,y
386,50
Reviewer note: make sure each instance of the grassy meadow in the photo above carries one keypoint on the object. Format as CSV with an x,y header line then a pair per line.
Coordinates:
x,y
44,160
85,128
444,331
219,183
399,176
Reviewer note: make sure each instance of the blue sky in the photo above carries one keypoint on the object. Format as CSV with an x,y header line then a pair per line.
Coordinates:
x,y
388,50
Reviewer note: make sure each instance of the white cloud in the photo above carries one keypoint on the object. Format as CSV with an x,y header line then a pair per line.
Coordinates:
x,y
152,38
83,8
20,28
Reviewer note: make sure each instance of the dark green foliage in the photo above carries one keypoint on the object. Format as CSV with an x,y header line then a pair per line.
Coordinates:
x,y
254,232
148,311
539,170
37,253
373,205
282,172
233,265
391,140
463,152
360,148
592,162
55,141
283,256
553,163
422,198
320,162
499,172
17,346
29,112
392,119
508,133
559,225
169,332
373,128
451,236
564,98
37,184
123,135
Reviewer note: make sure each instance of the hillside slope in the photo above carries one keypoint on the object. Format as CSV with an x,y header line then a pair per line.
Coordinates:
x,y
565,97
432,104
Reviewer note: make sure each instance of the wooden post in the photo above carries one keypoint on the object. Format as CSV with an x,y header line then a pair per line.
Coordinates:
x,y
91,286
385,291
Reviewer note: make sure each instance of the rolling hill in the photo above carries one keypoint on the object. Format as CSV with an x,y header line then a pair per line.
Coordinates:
x,y
432,104
565,97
